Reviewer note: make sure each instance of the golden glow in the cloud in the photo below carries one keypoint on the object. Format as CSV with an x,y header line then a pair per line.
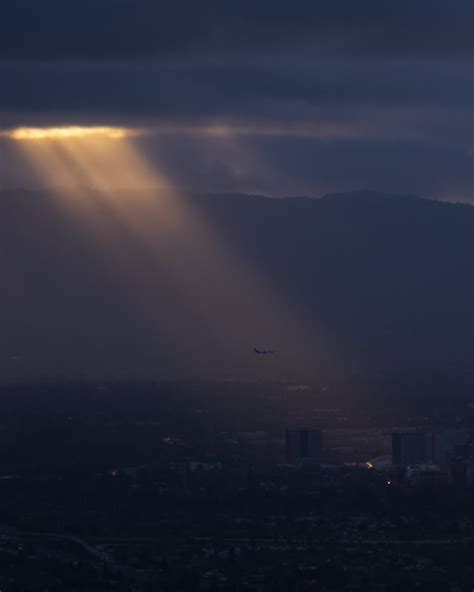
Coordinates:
x,y
58,133
85,157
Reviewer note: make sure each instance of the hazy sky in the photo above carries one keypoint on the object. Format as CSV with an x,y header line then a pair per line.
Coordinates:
x,y
279,97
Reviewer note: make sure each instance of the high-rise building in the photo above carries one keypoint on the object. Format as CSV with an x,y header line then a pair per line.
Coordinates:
x,y
469,421
446,444
304,444
411,448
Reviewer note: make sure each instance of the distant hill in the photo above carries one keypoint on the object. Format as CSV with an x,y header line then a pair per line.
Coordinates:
x,y
379,283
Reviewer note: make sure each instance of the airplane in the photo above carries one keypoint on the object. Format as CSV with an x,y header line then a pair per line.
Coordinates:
x,y
263,351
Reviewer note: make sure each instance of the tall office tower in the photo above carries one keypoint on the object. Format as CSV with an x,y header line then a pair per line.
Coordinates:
x,y
470,421
447,444
411,448
304,444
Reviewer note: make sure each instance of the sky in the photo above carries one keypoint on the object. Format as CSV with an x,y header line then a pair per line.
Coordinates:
x,y
274,97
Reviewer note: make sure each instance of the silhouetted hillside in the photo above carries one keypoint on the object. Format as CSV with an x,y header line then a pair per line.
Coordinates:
x,y
380,282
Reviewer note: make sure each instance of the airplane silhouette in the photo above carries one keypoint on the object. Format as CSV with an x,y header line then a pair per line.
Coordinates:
x,y
263,351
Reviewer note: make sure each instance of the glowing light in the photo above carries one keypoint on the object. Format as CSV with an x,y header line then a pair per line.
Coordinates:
x,y
62,133
104,182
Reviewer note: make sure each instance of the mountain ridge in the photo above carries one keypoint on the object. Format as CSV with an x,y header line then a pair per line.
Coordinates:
x,y
380,282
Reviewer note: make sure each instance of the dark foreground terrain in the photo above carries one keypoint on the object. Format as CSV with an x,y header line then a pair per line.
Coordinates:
x,y
176,487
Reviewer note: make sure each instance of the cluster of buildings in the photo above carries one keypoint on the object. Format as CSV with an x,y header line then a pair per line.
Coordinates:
x,y
447,452
434,455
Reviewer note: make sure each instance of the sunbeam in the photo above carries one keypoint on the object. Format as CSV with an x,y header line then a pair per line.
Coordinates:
x,y
107,185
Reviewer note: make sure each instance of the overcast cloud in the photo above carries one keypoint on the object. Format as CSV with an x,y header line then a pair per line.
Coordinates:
x,y
312,96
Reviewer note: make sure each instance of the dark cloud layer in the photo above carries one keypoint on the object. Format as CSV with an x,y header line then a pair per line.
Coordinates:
x,y
117,29
222,88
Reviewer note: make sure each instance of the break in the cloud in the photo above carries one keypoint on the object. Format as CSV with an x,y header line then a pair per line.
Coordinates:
x,y
280,97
